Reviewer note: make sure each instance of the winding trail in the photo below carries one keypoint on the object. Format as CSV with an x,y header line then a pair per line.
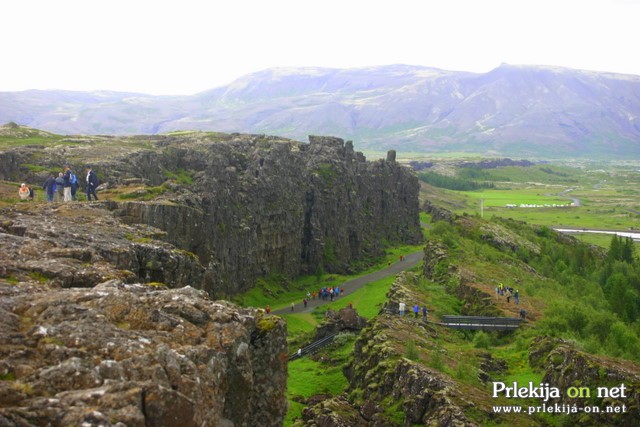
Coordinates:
x,y
576,202
350,286
563,194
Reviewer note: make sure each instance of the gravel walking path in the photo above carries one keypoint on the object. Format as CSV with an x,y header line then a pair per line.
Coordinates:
x,y
353,285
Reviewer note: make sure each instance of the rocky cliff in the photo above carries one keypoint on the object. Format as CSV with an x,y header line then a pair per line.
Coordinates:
x,y
272,206
246,205
135,355
82,342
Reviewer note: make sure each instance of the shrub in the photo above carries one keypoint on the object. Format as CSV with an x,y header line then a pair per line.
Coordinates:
x,y
482,340
411,352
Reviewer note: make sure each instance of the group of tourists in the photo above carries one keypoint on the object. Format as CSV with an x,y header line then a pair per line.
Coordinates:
x,y
325,293
509,292
63,187
402,307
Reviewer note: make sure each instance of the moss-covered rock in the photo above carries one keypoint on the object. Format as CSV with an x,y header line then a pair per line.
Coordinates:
x,y
565,366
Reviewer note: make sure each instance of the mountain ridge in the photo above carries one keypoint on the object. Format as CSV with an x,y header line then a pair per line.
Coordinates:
x,y
511,110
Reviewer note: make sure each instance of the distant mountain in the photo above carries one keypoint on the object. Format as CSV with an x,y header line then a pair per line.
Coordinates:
x,y
512,110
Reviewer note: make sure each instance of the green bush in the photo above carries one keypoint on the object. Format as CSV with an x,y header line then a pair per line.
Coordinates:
x,y
482,340
411,352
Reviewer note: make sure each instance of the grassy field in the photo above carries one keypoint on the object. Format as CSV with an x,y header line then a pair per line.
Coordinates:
x,y
608,196
605,204
308,377
581,217
30,137
531,195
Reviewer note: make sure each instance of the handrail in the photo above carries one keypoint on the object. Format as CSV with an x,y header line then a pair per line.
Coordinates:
x,y
313,347
481,322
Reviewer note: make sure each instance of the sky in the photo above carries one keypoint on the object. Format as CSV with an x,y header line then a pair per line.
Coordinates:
x,y
187,46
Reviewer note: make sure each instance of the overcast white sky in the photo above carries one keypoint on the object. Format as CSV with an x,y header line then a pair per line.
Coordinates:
x,y
187,46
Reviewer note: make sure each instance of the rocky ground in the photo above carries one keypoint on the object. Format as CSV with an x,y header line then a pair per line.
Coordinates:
x,y
134,355
99,326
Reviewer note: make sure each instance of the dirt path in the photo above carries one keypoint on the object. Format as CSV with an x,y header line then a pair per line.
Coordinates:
x,y
511,309
353,285
576,202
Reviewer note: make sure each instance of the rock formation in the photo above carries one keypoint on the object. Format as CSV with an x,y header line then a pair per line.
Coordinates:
x,y
248,205
101,320
346,319
82,245
82,343
129,354
565,366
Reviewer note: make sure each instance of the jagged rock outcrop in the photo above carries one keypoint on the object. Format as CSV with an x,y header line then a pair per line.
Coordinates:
x,y
333,412
502,238
435,261
253,204
437,213
134,355
81,245
565,366
81,342
346,319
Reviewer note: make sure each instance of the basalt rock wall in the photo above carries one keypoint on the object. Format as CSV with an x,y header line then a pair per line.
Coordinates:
x,y
262,205
248,205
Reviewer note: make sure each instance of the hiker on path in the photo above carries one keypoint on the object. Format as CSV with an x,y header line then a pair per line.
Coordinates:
x,y
268,309
73,179
424,312
516,296
92,183
50,187
292,306
401,307
60,187
67,184
416,310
